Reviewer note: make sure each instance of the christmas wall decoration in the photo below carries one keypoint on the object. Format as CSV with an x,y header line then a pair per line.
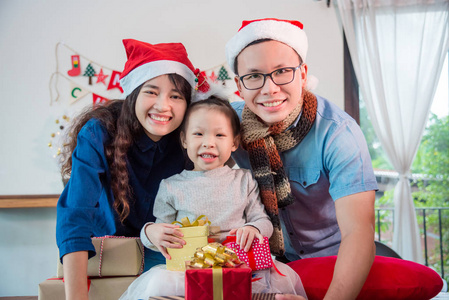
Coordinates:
x,y
96,99
89,72
115,81
56,140
104,84
101,77
223,75
76,68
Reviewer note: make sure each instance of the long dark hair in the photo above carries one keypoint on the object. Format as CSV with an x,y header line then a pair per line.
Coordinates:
x,y
120,120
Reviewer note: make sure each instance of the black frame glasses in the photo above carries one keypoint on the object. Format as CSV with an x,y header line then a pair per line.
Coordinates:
x,y
246,77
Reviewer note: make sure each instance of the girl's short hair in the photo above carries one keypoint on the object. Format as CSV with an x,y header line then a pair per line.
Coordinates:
x,y
214,102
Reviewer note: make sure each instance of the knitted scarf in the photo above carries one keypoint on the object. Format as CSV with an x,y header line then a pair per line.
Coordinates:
x,y
263,144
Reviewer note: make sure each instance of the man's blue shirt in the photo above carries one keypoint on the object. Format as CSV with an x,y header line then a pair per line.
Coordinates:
x,y
331,162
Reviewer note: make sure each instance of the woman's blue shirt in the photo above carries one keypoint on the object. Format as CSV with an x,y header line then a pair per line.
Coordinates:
x,y
85,207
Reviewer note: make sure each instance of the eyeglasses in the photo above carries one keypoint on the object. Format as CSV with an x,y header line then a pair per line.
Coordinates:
x,y
255,81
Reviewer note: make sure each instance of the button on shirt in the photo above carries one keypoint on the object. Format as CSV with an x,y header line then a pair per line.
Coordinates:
x,y
85,207
331,162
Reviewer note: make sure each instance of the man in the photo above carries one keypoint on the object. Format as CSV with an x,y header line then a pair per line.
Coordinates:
x,y
308,156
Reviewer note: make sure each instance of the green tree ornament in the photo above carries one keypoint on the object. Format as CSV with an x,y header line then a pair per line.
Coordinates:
x,y
89,72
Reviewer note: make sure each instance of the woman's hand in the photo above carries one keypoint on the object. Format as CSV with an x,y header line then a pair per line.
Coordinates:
x,y
245,236
75,275
164,236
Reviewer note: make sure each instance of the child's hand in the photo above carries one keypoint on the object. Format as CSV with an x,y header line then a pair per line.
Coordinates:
x,y
245,236
164,236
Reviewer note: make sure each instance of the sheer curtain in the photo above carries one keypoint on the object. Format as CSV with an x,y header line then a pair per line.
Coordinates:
x,y
398,49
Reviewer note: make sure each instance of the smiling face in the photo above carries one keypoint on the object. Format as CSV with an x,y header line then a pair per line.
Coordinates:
x,y
272,103
160,107
208,138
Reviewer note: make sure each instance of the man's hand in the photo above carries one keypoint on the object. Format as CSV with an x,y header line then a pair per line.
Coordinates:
x,y
164,236
245,236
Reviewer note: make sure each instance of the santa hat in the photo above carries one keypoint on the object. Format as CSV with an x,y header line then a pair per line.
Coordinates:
x,y
147,61
284,31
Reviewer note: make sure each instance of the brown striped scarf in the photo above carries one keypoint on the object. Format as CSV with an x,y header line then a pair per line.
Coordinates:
x,y
263,144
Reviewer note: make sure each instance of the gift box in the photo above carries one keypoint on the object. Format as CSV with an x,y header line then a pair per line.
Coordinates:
x,y
216,273
99,288
195,237
218,283
257,258
116,256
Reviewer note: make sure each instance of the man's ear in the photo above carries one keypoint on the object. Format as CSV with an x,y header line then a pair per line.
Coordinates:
x,y
238,83
304,75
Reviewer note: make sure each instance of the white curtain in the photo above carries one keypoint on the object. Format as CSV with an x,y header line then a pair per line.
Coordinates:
x,y
398,49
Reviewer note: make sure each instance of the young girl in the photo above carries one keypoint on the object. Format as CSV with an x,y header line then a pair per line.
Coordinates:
x,y
228,197
118,154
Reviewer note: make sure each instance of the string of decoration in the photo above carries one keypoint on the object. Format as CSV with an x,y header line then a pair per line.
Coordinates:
x,y
79,91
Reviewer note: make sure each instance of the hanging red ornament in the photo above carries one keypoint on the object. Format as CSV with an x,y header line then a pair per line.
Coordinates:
x,y
98,99
76,67
213,77
115,81
101,77
202,85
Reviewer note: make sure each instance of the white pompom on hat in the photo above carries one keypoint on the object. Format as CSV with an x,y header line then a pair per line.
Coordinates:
x,y
289,32
147,61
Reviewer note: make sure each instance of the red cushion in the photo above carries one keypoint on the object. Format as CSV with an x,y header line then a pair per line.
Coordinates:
x,y
389,278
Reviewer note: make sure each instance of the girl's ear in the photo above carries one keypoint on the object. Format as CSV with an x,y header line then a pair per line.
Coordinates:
x,y
183,139
236,143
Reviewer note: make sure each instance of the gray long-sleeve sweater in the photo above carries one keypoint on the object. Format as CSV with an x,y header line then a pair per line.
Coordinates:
x,y
228,197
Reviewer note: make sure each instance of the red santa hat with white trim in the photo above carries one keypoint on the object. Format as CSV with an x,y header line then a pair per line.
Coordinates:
x,y
147,61
285,31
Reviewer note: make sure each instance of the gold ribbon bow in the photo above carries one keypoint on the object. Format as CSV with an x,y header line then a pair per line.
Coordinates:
x,y
185,222
213,255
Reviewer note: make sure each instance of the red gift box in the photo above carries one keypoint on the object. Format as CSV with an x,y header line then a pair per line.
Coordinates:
x,y
221,283
257,258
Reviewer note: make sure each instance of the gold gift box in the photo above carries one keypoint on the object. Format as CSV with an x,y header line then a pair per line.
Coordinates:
x,y
195,237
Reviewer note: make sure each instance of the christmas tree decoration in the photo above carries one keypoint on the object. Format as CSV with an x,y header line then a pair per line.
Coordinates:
x,y
223,74
76,66
89,72
101,77
213,77
96,99
57,136
115,81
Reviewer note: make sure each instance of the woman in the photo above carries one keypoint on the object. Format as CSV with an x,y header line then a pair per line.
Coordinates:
x,y
118,153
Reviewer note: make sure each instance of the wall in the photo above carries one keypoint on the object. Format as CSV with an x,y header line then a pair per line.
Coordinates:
x,y
29,32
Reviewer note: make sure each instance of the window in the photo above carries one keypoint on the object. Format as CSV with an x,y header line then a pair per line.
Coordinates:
x,y
429,179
